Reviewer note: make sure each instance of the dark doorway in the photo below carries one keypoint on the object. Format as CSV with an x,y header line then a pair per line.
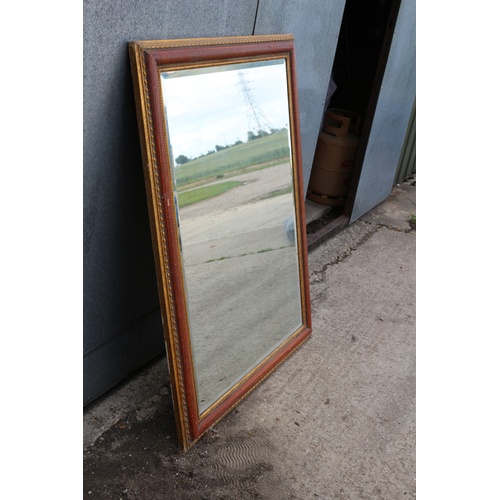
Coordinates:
x,y
362,50
365,27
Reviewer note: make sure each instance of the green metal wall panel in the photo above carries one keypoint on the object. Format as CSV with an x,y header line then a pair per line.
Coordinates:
x,y
408,161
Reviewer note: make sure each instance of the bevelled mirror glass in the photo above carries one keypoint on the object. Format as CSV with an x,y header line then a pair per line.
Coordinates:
x,y
219,128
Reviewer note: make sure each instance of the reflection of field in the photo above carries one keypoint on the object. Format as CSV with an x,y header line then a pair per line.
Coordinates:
x,y
242,278
234,158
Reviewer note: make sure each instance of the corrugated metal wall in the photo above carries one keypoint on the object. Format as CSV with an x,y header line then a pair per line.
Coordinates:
x,y
408,161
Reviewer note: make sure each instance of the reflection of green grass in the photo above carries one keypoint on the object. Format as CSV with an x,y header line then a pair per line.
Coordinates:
x,y
216,260
205,192
262,150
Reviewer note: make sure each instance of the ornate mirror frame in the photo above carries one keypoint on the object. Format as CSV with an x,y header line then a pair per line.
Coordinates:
x,y
148,60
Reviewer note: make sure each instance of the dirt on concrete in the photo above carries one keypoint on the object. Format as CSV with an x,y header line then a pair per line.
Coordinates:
x,y
319,223
335,421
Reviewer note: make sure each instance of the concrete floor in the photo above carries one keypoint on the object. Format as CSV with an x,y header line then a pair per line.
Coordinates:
x,y
335,421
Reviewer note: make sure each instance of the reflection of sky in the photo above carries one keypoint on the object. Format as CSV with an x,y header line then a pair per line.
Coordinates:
x,y
209,109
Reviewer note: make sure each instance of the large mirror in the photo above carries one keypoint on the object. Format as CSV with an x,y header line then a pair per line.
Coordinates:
x,y
219,129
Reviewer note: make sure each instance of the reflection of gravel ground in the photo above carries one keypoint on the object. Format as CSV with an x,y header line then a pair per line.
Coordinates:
x,y
241,278
256,185
241,315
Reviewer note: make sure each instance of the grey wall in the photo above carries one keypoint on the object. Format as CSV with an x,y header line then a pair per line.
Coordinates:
x,y
315,25
392,116
122,325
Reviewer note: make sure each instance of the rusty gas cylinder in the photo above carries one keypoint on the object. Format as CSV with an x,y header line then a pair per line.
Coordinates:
x,y
336,151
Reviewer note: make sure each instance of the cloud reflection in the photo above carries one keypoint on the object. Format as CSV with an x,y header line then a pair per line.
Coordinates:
x,y
209,106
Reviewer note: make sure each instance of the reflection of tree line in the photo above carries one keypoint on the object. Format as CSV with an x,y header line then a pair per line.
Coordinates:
x,y
251,136
270,146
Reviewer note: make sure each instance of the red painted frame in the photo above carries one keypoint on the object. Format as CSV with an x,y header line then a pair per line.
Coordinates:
x,y
148,58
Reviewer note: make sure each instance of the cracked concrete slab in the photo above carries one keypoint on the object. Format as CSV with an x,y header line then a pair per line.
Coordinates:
x,y
395,211
335,421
